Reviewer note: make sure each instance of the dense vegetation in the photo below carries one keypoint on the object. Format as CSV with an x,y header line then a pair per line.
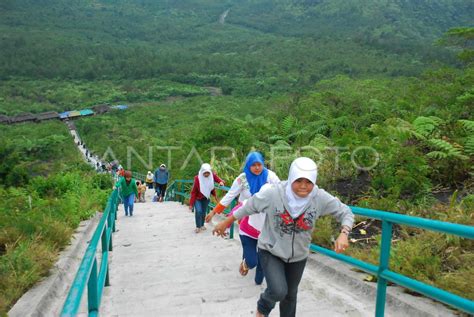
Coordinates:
x,y
46,190
26,95
322,77
274,45
422,128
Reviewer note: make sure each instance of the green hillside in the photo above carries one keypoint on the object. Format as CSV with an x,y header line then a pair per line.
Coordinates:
x,y
281,41
348,83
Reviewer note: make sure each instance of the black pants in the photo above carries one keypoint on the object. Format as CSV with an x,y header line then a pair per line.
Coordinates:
x,y
282,284
160,189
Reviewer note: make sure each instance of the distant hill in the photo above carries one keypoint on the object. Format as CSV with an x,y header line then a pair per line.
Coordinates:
x,y
282,41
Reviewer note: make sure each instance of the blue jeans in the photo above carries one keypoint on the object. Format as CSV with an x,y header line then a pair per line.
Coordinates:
x,y
282,284
249,247
200,207
128,204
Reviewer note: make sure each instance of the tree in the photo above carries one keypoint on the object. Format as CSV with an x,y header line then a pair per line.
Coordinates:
x,y
463,40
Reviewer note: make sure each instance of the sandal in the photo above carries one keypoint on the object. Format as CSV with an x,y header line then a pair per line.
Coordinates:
x,y
243,268
197,230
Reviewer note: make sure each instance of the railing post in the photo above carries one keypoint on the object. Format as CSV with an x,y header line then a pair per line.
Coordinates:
x,y
106,247
114,209
111,217
383,265
92,289
231,234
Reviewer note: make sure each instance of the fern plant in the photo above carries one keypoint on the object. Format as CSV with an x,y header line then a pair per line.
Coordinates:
x,y
426,126
445,150
469,145
287,125
467,124
402,129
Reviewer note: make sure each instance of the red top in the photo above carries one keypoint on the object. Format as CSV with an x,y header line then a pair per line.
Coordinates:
x,y
196,191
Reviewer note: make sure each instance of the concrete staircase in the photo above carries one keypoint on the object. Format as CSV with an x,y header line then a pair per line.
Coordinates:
x,y
160,267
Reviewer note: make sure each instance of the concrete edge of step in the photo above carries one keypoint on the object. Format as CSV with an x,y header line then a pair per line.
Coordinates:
x,y
47,297
396,299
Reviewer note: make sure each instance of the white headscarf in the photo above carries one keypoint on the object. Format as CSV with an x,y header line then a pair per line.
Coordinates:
x,y
149,175
206,184
302,167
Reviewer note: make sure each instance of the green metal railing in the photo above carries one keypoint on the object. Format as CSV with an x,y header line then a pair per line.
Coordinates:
x,y
139,176
87,272
382,270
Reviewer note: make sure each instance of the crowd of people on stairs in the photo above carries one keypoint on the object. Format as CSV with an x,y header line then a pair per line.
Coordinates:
x,y
276,219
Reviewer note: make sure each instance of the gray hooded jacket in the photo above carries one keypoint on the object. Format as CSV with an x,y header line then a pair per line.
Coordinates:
x,y
283,236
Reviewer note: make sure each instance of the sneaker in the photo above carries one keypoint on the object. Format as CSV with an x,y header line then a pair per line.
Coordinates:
x,y
203,228
197,230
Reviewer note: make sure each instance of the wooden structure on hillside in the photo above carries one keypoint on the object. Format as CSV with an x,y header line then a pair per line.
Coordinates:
x,y
86,112
120,107
74,114
47,116
66,115
24,117
4,119
102,108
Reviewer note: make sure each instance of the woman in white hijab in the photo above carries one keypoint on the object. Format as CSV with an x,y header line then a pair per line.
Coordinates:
x,y
292,208
203,188
149,179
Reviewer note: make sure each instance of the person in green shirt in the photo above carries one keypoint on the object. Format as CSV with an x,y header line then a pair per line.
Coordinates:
x,y
128,191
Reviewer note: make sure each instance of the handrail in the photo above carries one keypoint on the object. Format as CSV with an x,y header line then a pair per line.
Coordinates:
x,y
139,176
87,271
382,270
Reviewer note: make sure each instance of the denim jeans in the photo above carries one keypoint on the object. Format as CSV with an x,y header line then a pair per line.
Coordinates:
x,y
128,204
282,284
160,190
249,247
200,207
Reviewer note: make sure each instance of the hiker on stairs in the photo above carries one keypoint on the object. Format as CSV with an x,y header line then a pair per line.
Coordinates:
x,y
128,191
248,183
161,178
292,208
203,188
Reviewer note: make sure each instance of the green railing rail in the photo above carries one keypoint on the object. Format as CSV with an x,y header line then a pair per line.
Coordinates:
x,y
382,271
87,272
139,176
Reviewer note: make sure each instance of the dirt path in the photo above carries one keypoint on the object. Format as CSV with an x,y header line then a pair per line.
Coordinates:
x,y
223,16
